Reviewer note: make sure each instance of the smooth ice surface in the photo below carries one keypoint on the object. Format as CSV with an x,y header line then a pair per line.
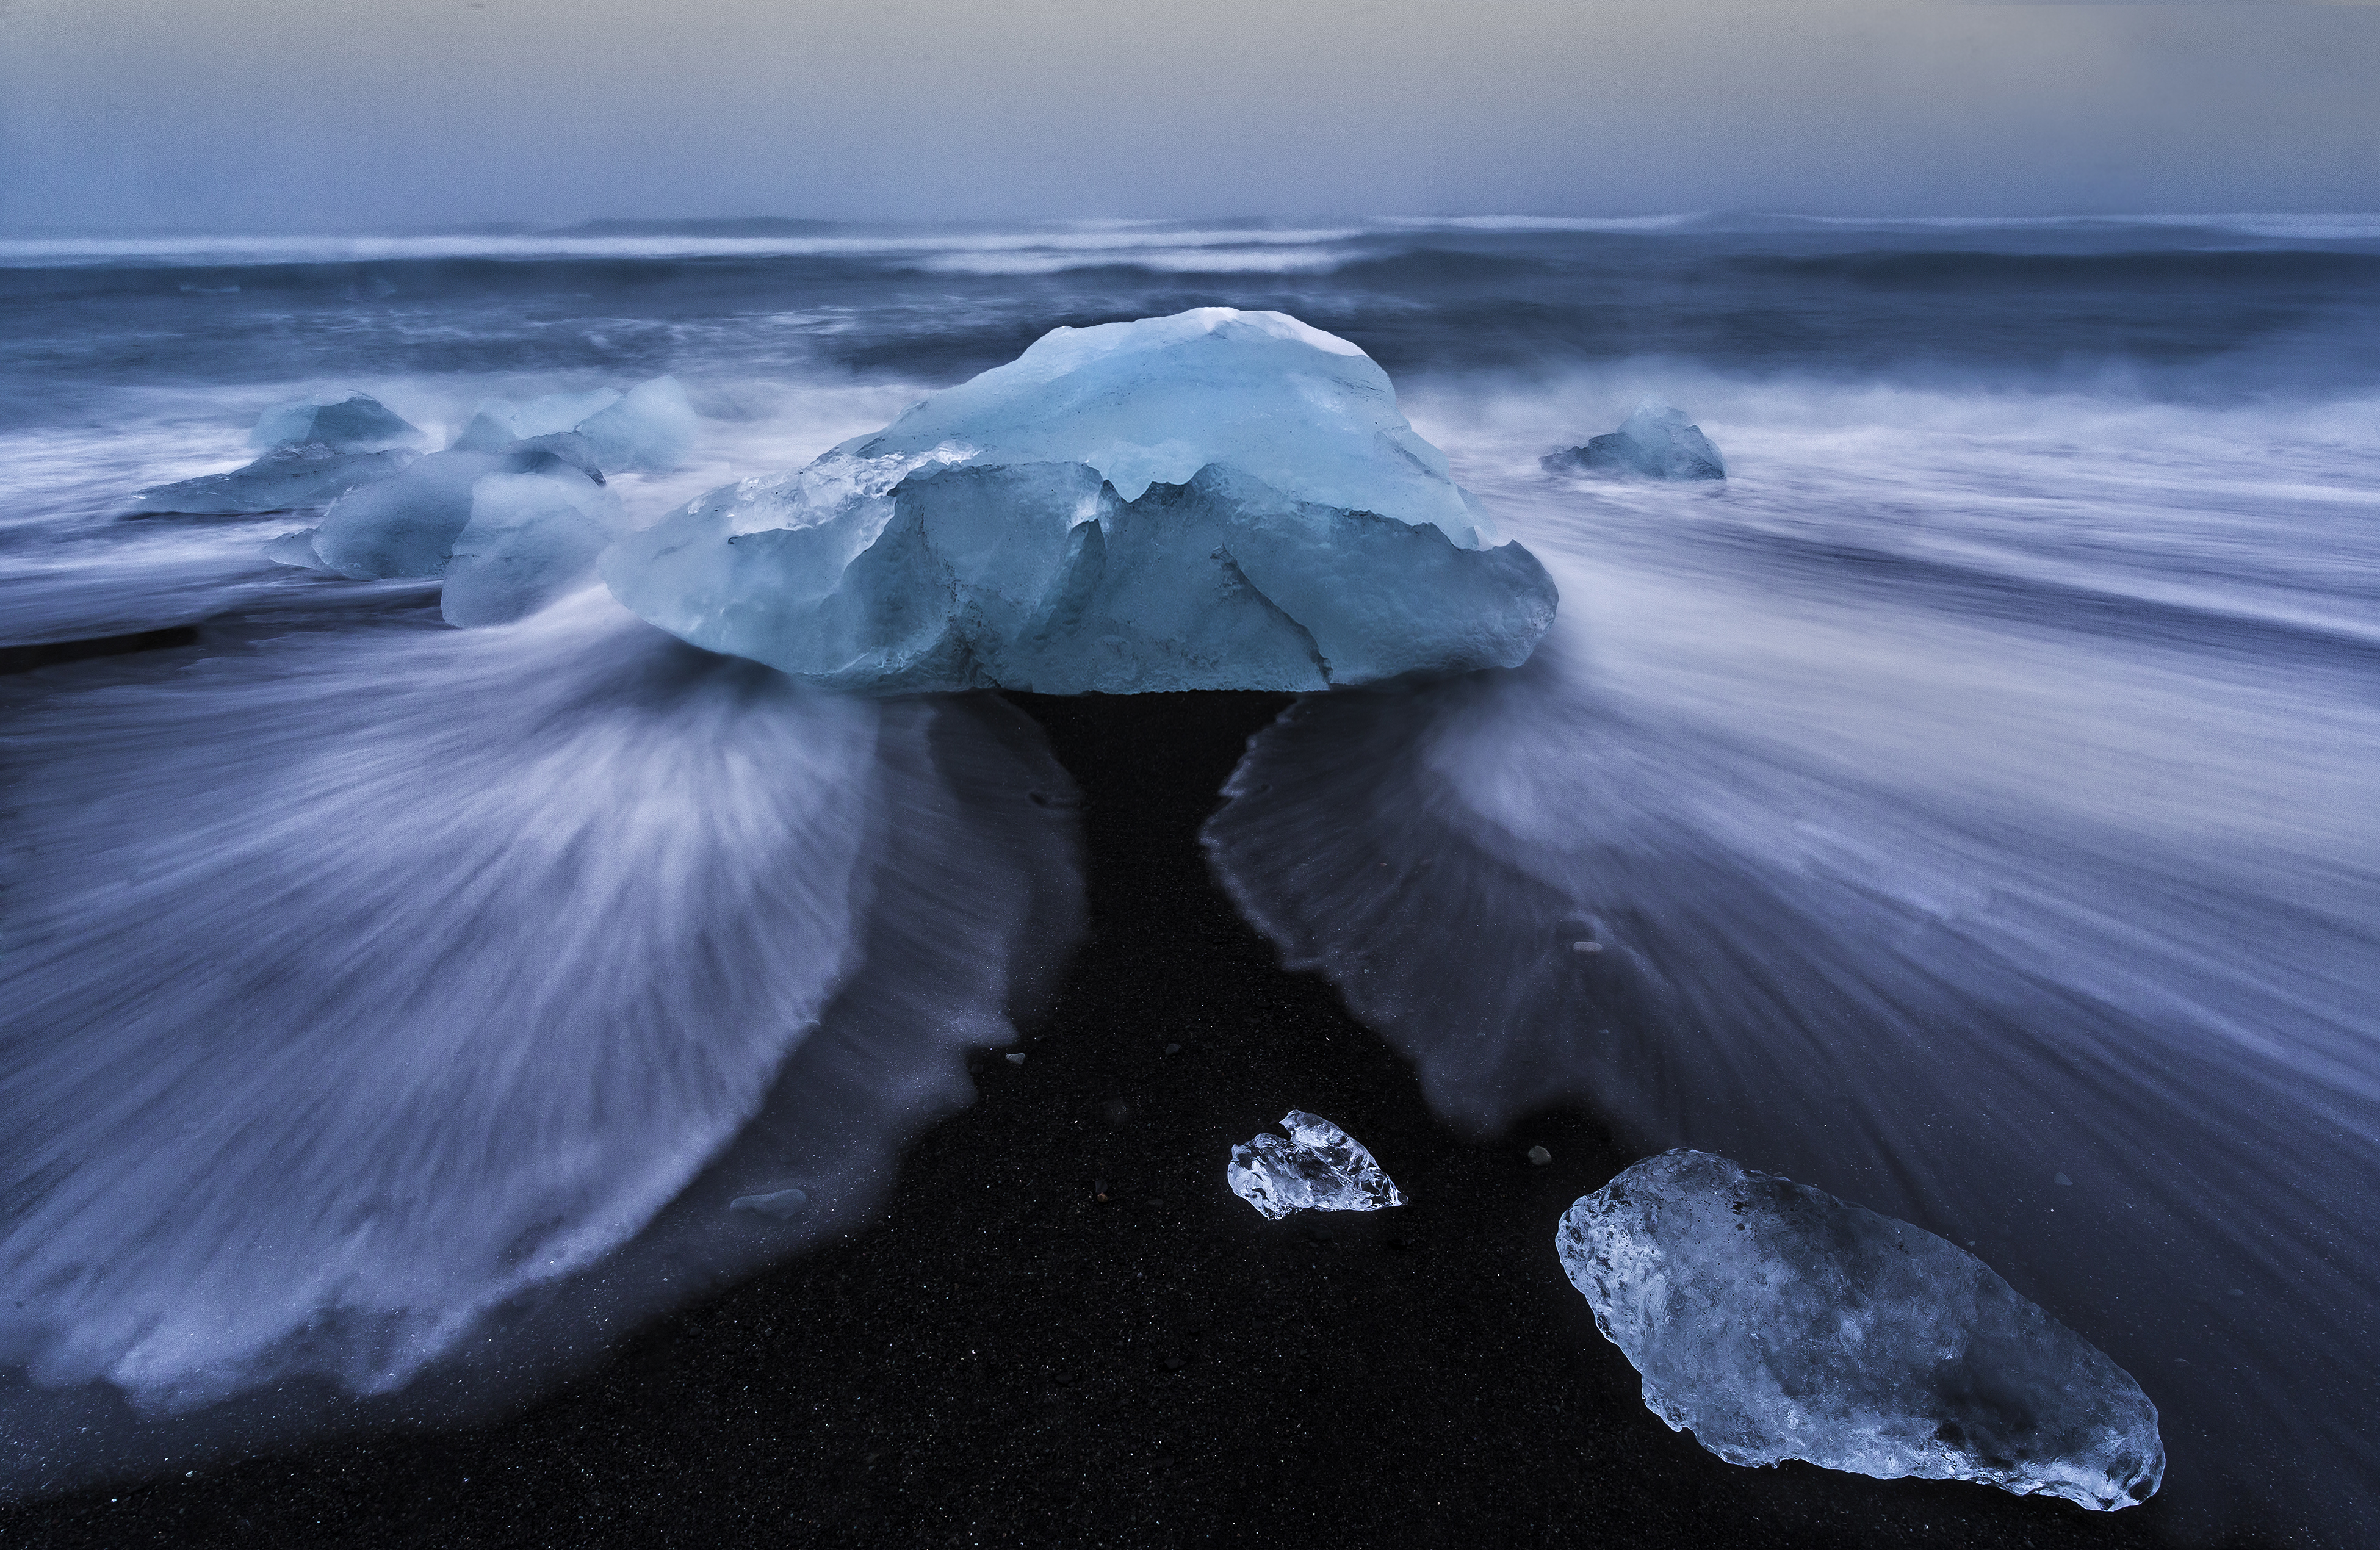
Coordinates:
x,y
650,429
286,479
1155,401
1776,1321
1655,442
497,423
343,419
1319,1168
531,538
1010,533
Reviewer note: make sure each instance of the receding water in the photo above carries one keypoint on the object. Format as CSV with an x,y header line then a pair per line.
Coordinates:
x,y
1966,808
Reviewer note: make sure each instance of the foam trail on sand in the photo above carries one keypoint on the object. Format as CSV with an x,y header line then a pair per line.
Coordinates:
x,y
2046,926
367,993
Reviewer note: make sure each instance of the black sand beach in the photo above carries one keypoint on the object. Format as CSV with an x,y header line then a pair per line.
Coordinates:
x,y
1064,1330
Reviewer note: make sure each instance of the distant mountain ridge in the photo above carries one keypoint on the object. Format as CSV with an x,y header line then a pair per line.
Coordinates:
x,y
739,226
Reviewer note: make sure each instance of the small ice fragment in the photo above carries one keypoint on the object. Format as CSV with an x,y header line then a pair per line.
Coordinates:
x,y
1778,1322
1319,1167
781,1204
343,419
2063,1179
1017,1059
1587,947
1539,1157
1655,442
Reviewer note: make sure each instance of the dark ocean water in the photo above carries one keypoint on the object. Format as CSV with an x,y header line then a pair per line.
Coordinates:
x,y
1975,796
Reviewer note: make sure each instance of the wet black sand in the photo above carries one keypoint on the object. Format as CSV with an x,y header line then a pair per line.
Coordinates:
x,y
1008,1359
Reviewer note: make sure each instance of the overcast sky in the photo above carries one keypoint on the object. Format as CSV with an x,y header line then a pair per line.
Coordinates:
x,y
397,113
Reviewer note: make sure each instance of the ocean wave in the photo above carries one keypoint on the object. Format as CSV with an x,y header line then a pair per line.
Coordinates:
x,y
242,250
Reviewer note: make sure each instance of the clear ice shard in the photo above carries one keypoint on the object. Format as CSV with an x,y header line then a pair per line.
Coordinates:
x,y
1655,442
286,479
1319,1168
1215,499
343,419
1775,1321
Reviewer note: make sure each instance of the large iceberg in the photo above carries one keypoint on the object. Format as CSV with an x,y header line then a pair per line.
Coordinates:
x,y
1655,442
1778,1322
1215,499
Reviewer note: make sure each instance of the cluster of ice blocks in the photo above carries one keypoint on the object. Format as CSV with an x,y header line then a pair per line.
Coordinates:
x,y
1775,1321
1214,499
511,515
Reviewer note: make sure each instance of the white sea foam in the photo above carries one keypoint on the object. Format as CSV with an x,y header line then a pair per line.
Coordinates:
x,y
1973,790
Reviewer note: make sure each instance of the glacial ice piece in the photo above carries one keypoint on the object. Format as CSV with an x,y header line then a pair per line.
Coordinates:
x,y
1217,500
530,538
497,423
1655,442
286,479
650,429
343,419
409,526
1778,1322
1319,1167
1155,401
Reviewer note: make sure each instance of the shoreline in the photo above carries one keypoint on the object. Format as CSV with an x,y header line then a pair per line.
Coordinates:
x,y
1003,1358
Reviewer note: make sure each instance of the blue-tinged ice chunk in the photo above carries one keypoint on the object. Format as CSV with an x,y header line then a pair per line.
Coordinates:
x,y
1778,1322
409,526
1319,1168
286,479
1155,401
497,423
1655,442
343,419
531,538
916,562
1041,577
650,429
